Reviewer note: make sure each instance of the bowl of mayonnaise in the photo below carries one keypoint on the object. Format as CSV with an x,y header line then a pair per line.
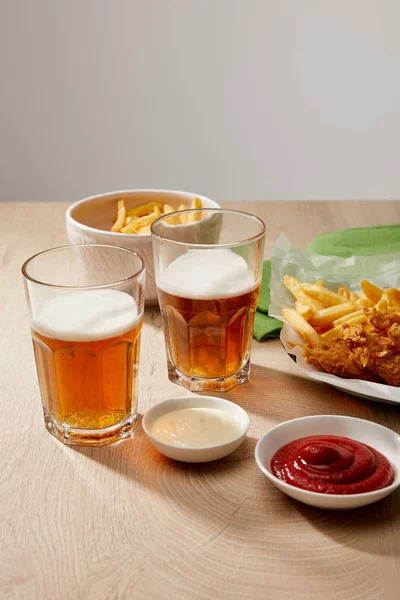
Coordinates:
x,y
196,428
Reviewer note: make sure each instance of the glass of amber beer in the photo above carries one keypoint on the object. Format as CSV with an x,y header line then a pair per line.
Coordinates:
x,y
208,275
86,313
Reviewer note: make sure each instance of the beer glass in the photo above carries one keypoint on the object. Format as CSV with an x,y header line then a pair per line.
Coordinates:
x,y
86,313
208,275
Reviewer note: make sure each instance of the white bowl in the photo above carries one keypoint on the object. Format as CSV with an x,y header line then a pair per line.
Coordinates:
x,y
382,439
190,454
89,221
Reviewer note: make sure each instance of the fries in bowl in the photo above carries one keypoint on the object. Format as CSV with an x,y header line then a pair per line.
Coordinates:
x,y
138,220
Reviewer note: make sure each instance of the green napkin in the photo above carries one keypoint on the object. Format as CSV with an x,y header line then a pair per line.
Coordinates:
x,y
265,326
361,241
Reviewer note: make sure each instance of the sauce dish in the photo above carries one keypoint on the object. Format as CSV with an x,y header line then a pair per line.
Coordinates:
x,y
196,428
382,439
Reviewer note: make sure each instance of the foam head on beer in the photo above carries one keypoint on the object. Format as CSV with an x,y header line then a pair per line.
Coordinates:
x,y
86,315
208,273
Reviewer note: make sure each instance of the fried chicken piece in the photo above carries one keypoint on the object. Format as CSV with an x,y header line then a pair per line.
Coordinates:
x,y
336,358
383,321
361,354
394,334
377,353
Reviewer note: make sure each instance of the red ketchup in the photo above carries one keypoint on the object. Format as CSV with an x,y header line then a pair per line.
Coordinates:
x,y
331,464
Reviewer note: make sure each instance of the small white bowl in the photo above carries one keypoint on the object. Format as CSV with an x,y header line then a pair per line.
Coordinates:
x,y
190,454
88,221
381,438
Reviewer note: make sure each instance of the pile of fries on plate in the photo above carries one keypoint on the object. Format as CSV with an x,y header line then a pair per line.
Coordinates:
x,y
138,220
349,334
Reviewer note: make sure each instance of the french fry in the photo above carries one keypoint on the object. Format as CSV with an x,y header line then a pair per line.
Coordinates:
x,y
144,209
370,290
382,305
320,282
138,220
324,295
365,303
343,291
176,220
138,223
293,285
353,296
183,218
130,228
393,296
385,303
304,310
326,316
347,318
301,325
331,334
193,217
121,212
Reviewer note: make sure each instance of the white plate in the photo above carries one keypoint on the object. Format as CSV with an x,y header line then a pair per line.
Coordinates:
x,y
378,392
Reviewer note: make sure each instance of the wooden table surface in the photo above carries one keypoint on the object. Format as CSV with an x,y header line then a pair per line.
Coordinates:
x,y
124,522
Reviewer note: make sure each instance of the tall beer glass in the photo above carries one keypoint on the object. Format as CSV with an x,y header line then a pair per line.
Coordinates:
x,y
208,275
86,313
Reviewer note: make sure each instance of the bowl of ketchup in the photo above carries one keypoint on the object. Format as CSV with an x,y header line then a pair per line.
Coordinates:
x,y
331,462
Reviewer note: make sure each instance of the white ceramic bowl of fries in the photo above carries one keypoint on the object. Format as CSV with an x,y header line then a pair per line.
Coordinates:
x,y
123,218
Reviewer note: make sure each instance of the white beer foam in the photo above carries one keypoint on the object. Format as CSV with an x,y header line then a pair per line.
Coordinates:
x,y
207,274
86,315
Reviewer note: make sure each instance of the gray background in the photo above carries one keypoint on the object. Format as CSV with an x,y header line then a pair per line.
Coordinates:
x,y
235,99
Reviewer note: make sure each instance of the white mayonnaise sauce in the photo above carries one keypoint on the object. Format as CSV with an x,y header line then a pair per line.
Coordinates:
x,y
197,427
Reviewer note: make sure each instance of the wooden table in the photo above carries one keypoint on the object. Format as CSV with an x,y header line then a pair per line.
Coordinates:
x,y
124,522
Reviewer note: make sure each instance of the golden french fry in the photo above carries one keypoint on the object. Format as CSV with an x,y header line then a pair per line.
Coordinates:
x,y
121,212
324,317
157,211
365,303
144,209
393,296
324,295
354,296
303,310
128,220
145,229
138,223
196,203
331,334
130,228
293,285
176,220
344,291
193,217
301,325
382,305
347,318
370,290
183,218
320,282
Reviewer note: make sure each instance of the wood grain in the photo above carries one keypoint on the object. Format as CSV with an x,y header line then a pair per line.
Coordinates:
x,y
124,522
